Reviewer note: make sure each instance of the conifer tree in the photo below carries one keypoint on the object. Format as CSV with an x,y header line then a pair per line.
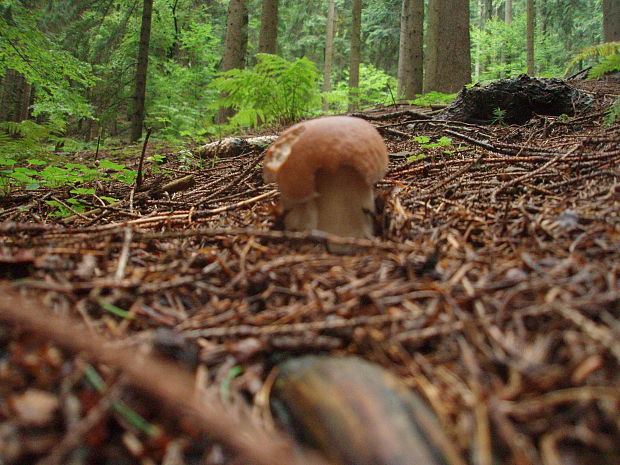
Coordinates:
x,y
141,71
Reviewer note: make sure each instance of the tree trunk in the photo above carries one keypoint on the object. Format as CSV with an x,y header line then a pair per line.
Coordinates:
x,y
487,10
7,104
23,110
329,50
508,12
355,58
481,22
235,45
141,71
448,59
410,55
531,25
268,39
611,20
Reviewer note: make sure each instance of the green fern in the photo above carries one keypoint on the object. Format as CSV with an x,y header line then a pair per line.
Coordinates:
x,y
614,113
18,139
274,90
608,65
609,52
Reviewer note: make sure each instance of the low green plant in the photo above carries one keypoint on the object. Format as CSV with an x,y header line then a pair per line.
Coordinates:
x,y
433,98
498,117
35,172
376,88
425,143
274,90
608,53
614,113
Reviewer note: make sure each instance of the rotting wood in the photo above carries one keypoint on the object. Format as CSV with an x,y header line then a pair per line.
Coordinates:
x,y
233,146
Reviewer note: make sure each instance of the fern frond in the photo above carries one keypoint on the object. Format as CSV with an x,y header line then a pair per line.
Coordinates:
x,y
614,113
609,64
601,50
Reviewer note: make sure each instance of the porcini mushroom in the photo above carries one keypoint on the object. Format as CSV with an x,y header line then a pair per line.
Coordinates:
x,y
325,169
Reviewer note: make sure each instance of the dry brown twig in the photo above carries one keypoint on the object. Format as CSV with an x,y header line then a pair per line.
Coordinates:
x,y
162,380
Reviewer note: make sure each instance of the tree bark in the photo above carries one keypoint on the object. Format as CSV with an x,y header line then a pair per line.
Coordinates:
x,y
235,45
410,54
7,104
268,39
487,10
508,12
329,50
355,57
448,58
23,111
531,26
141,71
611,20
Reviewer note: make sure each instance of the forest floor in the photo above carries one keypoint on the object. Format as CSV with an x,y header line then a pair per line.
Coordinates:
x,y
492,289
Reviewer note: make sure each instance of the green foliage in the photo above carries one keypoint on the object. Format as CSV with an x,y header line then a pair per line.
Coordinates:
x,y
608,53
498,117
53,173
22,138
433,98
376,88
58,78
614,113
500,48
425,143
274,90
381,33
179,99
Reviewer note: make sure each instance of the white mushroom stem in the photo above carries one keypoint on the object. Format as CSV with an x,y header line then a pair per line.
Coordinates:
x,y
343,205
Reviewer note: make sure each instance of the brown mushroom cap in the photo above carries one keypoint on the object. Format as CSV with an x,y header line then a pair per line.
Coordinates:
x,y
327,144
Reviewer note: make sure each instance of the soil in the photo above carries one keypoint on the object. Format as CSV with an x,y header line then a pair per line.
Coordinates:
x,y
492,289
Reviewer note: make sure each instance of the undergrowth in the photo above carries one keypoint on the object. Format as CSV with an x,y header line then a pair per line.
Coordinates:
x,y
608,54
274,90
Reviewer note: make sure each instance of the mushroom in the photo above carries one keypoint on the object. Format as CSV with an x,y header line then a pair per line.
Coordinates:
x,y
325,169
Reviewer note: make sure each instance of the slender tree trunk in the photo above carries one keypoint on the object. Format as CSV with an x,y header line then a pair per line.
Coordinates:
x,y
508,12
141,71
531,26
7,104
448,58
410,55
23,111
355,58
487,10
329,50
611,20
481,21
235,45
268,39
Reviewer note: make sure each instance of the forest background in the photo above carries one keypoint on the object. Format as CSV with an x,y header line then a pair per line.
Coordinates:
x,y
75,73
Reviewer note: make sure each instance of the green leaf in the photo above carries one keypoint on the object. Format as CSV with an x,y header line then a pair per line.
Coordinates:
x,y
225,384
130,415
415,157
106,164
36,161
82,191
421,139
108,307
444,141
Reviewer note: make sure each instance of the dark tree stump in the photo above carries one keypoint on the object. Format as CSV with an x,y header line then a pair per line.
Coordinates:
x,y
519,98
